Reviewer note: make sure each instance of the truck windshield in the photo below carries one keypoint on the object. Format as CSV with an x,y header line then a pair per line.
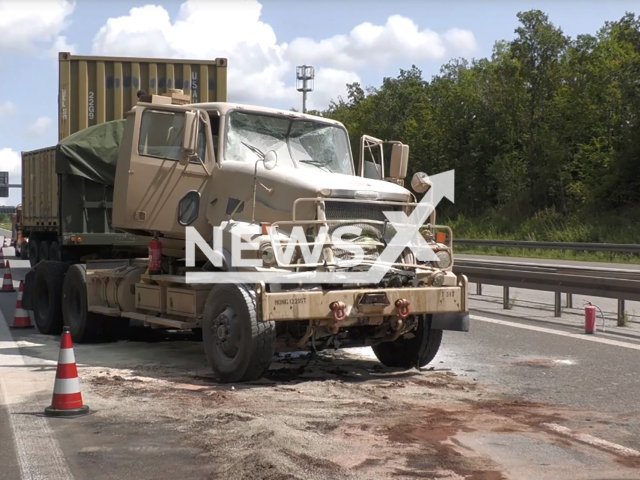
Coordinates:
x,y
298,143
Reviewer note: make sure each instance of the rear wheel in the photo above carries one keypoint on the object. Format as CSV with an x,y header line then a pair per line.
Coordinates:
x,y
24,251
47,296
34,247
238,346
417,348
43,250
84,326
54,251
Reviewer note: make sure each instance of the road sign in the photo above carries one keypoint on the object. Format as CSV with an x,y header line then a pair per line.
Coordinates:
x,y
4,184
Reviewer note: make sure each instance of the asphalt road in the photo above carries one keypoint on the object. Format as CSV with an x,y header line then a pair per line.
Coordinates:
x,y
527,356
8,458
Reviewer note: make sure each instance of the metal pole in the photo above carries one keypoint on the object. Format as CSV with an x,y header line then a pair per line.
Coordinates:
x,y
505,298
304,96
557,310
569,300
620,313
478,289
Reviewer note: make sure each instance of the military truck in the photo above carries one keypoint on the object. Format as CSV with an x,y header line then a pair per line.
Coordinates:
x,y
256,174
67,188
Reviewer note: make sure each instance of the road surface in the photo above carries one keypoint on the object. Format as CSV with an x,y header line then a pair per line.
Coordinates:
x,y
521,396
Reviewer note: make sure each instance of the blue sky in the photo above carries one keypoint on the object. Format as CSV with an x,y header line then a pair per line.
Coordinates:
x,y
262,41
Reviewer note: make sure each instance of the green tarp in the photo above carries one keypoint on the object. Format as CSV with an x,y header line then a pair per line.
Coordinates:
x,y
91,153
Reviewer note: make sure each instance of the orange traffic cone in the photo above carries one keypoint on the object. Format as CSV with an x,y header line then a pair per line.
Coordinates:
x,y
67,398
21,317
7,281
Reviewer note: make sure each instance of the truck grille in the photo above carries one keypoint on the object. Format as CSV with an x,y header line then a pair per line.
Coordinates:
x,y
362,212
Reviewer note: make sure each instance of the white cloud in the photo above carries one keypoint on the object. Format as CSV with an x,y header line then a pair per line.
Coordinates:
x,y
7,109
40,126
27,25
10,161
261,70
60,45
462,42
399,38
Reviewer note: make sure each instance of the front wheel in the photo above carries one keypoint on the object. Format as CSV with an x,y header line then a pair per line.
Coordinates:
x,y
238,346
415,349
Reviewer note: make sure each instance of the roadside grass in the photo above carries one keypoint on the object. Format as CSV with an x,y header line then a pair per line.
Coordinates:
x,y
549,226
5,225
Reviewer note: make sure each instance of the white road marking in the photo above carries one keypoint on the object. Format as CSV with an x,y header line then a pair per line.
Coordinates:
x,y
587,338
39,454
591,440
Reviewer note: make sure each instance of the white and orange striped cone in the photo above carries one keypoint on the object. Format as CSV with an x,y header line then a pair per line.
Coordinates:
x,y
7,281
67,398
21,317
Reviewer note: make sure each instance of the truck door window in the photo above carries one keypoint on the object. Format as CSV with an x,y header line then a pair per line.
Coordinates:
x,y
161,135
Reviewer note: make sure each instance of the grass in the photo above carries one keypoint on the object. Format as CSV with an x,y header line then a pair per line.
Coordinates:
x,y
5,226
549,226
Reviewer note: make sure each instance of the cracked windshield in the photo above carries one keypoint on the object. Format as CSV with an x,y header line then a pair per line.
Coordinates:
x,y
298,143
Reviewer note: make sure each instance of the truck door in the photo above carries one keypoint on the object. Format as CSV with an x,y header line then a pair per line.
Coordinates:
x,y
148,194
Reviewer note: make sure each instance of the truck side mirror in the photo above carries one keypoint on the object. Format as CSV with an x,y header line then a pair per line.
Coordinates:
x,y
399,161
190,138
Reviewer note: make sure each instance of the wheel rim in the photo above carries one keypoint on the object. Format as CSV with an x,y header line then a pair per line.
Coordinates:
x,y
225,332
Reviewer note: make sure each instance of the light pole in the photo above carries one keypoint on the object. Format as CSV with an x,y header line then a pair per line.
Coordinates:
x,y
304,82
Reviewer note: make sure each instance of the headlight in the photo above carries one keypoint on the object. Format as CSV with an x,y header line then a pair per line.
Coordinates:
x,y
268,256
444,259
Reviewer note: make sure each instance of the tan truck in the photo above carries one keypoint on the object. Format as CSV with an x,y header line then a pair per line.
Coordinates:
x,y
224,174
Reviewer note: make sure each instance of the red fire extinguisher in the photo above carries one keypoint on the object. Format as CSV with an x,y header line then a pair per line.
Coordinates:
x,y
589,319
155,256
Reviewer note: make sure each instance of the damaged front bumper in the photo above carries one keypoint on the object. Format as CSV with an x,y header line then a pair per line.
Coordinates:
x,y
362,306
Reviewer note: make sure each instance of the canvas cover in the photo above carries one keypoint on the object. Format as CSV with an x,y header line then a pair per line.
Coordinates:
x,y
91,153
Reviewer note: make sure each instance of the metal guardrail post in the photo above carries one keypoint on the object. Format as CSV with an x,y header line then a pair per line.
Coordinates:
x,y
569,300
557,307
505,298
478,289
621,313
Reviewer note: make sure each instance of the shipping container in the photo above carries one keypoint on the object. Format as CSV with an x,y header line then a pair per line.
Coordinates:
x,y
94,90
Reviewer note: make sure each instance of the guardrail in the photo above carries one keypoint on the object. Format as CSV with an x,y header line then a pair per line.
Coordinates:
x,y
621,284
575,246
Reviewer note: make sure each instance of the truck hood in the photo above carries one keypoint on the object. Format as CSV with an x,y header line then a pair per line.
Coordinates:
x,y
348,186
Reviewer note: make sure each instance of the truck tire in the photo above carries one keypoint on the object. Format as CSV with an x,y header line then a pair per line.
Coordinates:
x,y
24,251
238,346
84,326
43,250
34,247
55,254
407,353
47,296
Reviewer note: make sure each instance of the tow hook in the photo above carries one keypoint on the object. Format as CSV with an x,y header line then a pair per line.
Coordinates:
x,y
338,311
403,307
